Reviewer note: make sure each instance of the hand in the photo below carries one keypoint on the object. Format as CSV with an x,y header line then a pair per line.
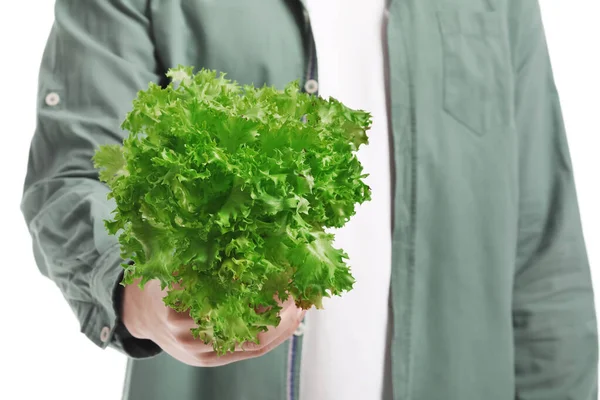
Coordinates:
x,y
146,317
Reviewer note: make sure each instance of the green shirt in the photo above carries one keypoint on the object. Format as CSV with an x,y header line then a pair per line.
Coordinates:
x,y
491,292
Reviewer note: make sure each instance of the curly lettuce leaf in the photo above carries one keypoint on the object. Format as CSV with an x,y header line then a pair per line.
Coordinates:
x,y
224,193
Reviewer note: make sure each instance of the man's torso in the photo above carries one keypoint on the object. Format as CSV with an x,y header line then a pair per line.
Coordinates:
x,y
454,190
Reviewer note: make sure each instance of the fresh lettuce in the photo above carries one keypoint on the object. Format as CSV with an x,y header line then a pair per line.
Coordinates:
x,y
224,193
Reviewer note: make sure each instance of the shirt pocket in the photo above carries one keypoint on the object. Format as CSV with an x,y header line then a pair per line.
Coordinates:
x,y
476,73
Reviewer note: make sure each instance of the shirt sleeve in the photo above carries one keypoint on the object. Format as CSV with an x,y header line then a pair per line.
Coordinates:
x,y
99,54
554,318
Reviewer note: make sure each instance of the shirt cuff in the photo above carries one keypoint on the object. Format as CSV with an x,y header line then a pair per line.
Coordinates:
x,y
104,326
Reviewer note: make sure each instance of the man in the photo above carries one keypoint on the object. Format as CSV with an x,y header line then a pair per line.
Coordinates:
x,y
474,228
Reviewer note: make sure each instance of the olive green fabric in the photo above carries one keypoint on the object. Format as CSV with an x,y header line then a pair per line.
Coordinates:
x,y
491,294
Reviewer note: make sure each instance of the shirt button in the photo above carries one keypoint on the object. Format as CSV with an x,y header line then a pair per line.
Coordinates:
x,y
52,99
300,329
104,334
311,86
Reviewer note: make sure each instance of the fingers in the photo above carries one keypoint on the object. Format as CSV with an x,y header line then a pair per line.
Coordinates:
x,y
212,359
180,326
290,318
184,347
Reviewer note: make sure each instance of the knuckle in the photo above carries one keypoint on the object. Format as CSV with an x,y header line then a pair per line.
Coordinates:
x,y
251,346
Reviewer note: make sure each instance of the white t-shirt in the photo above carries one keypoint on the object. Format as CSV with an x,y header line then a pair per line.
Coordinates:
x,y
345,344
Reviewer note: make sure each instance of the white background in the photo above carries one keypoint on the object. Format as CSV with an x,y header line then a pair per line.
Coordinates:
x,y
43,354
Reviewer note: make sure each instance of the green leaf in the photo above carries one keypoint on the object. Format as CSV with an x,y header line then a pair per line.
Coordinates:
x,y
111,161
226,190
